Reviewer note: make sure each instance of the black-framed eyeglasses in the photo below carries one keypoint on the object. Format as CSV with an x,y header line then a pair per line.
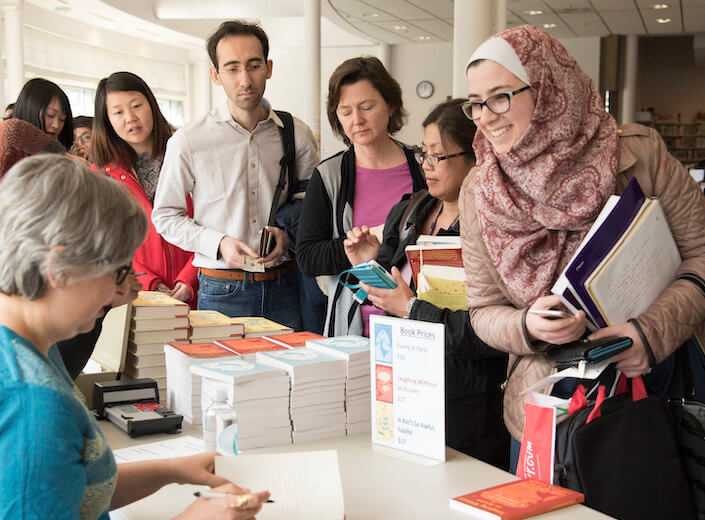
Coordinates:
x,y
433,159
497,104
121,273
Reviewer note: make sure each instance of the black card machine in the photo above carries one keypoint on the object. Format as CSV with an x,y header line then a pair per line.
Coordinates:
x,y
133,405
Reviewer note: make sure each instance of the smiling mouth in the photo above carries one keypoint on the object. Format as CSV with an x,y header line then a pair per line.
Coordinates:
x,y
499,131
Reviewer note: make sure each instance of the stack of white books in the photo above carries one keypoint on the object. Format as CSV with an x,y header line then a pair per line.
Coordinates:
x,y
317,391
183,390
355,350
207,326
258,393
156,319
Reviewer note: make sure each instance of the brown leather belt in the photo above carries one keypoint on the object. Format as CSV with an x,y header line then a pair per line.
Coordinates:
x,y
239,274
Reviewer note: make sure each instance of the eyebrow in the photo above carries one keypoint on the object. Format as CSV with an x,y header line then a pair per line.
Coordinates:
x,y
238,62
359,103
494,90
131,100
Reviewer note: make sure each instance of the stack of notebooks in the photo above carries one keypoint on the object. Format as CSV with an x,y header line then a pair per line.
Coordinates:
x,y
355,350
626,260
156,319
207,326
183,391
317,391
258,393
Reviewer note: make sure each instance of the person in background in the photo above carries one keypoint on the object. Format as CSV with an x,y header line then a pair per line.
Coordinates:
x,y
549,156
8,111
474,371
128,143
82,131
43,103
58,268
356,187
229,159
20,139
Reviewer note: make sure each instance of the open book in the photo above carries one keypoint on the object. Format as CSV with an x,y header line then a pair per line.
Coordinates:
x,y
626,260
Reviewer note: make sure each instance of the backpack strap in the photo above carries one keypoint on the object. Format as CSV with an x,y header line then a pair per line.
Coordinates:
x,y
413,205
287,174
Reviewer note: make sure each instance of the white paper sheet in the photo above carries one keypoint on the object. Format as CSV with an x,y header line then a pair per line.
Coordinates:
x,y
303,485
180,446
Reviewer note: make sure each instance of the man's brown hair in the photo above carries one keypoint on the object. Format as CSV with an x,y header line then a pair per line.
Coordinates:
x,y
236,28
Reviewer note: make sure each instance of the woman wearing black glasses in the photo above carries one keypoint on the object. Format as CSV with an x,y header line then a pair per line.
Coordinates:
x,y
474,371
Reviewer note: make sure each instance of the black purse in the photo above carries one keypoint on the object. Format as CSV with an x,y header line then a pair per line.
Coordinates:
x,y
590,351
622,454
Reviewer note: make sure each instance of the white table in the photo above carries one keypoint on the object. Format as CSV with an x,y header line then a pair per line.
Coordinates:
x,y
375,485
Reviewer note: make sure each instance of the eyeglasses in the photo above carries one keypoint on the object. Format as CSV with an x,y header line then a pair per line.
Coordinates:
x,y
432,159
83,139
497,104
121,273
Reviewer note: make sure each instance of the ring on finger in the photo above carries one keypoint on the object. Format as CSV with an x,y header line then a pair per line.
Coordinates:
x,y
242,501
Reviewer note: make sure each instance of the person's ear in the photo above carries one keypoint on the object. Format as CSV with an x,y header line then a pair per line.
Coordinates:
x,y
270,68
215,76
53,279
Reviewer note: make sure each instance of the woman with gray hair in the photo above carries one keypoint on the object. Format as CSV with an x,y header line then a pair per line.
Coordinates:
x,y
63,251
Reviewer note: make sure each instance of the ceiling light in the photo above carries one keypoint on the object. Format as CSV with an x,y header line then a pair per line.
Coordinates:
x,y
371,15
399,27
109,25
660,6
533,12
424,37
549,25
663,20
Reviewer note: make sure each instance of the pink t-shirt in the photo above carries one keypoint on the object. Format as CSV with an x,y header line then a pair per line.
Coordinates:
x,y
376,191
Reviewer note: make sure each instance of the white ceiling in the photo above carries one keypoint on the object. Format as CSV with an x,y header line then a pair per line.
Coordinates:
x,y
187,22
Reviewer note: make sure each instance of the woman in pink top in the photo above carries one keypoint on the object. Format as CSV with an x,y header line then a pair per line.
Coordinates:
x,y
358,186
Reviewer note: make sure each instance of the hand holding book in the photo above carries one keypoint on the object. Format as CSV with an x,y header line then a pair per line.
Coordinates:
x,y
391,301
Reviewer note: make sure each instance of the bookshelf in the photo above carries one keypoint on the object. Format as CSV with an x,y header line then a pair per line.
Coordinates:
x,y
685,141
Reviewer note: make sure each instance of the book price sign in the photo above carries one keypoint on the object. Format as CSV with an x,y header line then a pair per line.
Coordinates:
x,y
408,387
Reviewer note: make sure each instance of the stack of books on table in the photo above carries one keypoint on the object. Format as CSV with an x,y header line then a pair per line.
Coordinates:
x,y
156,319
248,347
256,326
317,404
207,326
258,393
355,350
183,390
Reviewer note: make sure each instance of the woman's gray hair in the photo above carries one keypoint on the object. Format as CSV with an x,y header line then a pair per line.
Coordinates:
x,y
49,202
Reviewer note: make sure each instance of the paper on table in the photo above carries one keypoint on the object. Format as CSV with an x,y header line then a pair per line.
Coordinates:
x,y
303,485
181,446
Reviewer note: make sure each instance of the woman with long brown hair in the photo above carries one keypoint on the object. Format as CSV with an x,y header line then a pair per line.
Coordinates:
x,y
129,141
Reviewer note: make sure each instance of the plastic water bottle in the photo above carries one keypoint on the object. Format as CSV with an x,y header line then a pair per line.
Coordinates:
x,y
220,425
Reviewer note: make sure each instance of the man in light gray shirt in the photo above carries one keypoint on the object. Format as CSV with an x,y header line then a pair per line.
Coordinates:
x,y
228,160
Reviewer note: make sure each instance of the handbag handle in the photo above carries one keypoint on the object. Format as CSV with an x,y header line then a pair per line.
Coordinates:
x,y
638,393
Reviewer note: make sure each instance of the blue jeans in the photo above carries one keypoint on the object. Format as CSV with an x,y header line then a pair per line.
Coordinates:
x,y
277,300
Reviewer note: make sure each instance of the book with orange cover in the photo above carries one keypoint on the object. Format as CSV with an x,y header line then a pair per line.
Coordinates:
x,y
437,254
248,347
515,500
202,350
295,339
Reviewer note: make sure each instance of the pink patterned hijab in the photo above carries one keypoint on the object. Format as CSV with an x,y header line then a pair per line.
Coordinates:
x,y
537,201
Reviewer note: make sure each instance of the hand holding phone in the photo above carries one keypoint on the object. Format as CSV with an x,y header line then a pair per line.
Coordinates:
x,y
551,314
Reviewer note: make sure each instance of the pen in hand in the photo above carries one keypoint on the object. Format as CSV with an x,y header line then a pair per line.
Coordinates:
x,y
210,494
139,274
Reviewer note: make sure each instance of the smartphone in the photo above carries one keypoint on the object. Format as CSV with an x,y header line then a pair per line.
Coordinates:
x,y
551,314
591,351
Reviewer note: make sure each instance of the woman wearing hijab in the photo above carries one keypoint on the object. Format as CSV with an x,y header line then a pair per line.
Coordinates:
x,y
548,158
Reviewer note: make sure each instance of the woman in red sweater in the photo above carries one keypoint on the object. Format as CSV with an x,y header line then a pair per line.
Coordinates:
x,y
129,141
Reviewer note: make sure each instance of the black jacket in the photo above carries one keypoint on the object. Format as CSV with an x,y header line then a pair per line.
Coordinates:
x,y
474,370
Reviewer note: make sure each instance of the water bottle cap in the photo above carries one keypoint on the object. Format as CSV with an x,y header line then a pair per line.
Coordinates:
x,y
221,394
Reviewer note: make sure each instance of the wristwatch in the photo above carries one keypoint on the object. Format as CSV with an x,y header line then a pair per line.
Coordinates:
x,y
410,306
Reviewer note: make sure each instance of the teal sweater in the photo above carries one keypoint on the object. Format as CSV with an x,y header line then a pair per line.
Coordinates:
x,y
55,461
